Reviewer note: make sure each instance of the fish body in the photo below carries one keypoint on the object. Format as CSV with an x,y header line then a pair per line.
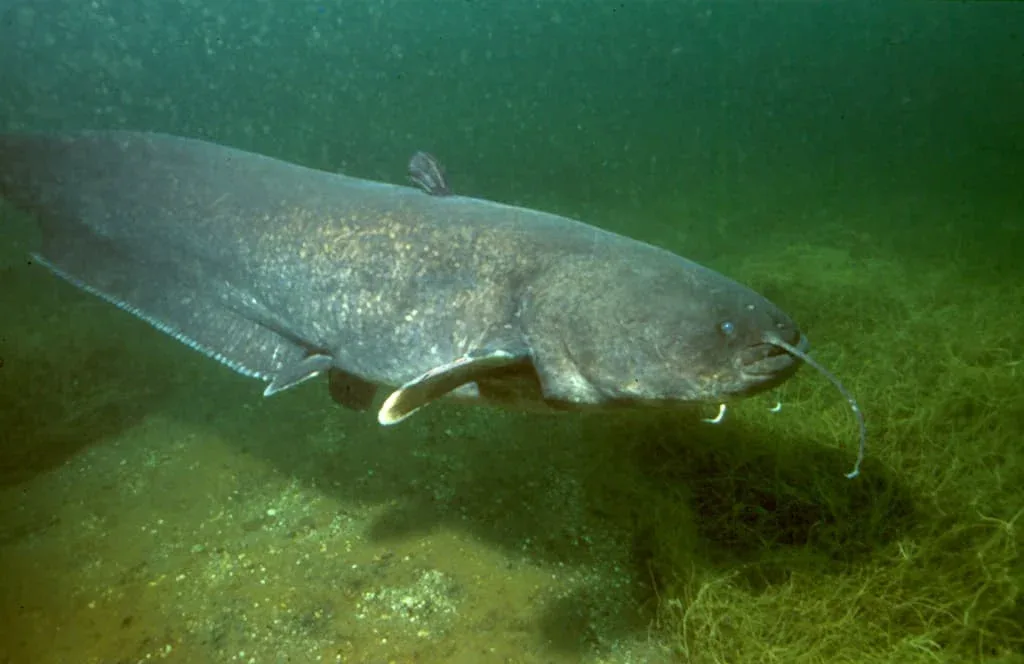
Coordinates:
x,y
283,272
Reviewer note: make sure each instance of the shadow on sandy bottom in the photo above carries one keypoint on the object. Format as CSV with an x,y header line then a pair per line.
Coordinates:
x,y
64,389
54,409
755,494
653,495
748,494
729,498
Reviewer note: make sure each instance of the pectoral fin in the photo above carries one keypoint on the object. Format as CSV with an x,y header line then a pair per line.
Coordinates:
x,y
441,380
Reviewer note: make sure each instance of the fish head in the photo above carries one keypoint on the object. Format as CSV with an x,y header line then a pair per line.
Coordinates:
x,y
665,332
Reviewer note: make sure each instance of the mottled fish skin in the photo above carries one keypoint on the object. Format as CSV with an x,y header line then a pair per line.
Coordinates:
x,y
270,266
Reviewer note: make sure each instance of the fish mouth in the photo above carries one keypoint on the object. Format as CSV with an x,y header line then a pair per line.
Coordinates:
x,y
766,361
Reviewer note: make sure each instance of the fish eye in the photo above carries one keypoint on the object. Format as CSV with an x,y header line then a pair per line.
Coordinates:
x,y
727,328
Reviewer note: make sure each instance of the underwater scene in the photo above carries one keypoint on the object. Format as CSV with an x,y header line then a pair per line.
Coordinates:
x,y
304,359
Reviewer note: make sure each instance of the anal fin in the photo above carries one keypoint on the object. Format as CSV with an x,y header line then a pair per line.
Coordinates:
x,y
194,309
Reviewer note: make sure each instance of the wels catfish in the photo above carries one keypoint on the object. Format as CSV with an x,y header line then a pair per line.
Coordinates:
x,y
283,272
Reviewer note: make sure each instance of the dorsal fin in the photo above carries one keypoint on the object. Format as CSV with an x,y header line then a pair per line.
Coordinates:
x,y
427,173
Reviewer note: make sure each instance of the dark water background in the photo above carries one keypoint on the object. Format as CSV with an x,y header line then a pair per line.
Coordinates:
x,y
580,106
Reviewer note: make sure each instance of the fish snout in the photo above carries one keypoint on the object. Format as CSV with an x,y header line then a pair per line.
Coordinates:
x,y
766,359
